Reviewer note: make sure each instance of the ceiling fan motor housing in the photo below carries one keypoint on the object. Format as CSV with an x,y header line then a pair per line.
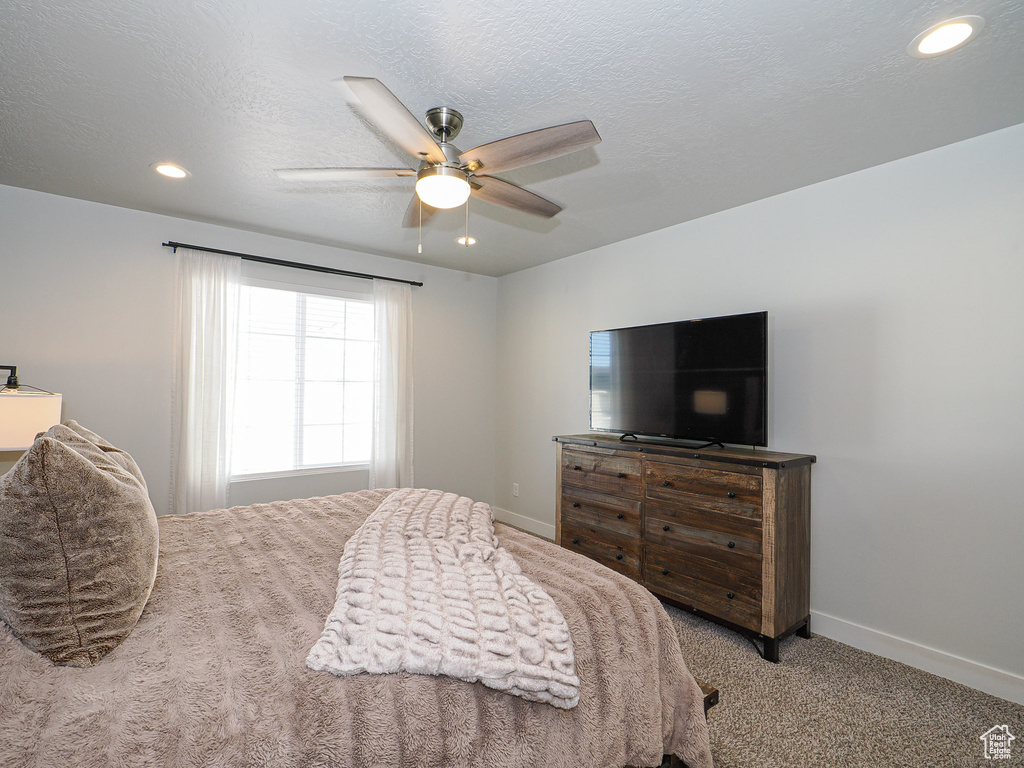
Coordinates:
x,y
451,158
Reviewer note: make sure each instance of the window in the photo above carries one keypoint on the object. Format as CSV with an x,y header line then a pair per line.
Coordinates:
x,y
304,381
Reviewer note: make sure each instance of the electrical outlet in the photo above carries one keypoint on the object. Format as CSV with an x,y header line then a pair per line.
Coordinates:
x,y
515,489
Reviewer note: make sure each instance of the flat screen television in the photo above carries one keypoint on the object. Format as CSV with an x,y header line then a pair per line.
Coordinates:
x,y
703,380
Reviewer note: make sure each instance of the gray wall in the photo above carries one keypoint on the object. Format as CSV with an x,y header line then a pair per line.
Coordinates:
x,y
896,312
87,297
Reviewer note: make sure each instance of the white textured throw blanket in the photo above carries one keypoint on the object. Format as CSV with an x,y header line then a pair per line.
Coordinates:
x,y
423,587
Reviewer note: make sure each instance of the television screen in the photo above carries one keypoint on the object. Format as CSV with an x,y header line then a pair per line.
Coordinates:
x,y
697,379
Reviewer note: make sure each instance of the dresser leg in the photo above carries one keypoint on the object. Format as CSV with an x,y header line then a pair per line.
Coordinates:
x,y
805,630
771,650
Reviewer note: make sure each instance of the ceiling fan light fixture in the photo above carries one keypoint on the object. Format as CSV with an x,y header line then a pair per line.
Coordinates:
x,y
442,187
466,241
945,37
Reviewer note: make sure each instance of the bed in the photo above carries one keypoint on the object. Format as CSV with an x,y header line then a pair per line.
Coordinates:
x,y
213,672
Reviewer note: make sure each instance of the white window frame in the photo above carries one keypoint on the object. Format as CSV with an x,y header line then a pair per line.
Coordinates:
x,y
354,292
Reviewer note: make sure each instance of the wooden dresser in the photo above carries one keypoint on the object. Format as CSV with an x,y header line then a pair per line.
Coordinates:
x,y
723,532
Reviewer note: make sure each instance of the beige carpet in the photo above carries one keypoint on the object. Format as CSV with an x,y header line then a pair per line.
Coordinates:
x,y
827,704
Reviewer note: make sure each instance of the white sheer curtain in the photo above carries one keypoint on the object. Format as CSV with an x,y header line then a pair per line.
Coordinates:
x,y
206,328
391,457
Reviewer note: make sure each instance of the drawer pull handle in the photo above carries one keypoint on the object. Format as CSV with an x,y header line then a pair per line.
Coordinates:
x,y
576,505
620,515
730,595
618,557
667,484
665,528
732,545
577,467
732,494
664,571
575,541
622,474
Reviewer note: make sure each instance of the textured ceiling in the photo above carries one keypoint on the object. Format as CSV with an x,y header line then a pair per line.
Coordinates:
x,y
702,106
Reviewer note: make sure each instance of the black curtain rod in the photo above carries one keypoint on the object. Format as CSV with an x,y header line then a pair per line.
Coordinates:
x,y
292,264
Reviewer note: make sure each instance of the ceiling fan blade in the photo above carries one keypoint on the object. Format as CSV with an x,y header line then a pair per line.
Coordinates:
x,y
340,174
395,119
511,196
412,213
532,147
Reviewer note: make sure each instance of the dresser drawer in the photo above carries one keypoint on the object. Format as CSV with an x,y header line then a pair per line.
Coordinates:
x,y
621,515
620,552
734,493
711,536
707,585
601,471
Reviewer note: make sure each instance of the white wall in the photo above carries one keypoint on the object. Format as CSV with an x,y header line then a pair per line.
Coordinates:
x,y
896,312
86,296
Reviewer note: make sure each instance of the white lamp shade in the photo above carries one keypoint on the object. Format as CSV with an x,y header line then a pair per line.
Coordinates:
x,y
23,415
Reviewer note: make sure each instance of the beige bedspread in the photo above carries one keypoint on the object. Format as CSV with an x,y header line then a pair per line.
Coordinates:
x,y
214,673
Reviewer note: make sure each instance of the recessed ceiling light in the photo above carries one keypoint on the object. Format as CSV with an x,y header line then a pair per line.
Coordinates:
x,y
946,37
170,170
466,241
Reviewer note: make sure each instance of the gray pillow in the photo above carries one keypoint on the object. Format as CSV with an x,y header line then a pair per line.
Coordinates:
x,y
78,546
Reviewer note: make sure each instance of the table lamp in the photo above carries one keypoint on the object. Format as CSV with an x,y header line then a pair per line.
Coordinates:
x,y
24,414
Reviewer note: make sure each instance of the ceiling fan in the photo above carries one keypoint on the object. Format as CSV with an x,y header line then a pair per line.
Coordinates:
x,y
446,177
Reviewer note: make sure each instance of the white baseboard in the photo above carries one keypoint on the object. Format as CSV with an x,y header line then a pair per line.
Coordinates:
x,y
997,682
526,523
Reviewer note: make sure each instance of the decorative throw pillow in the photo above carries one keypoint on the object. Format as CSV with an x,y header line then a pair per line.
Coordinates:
x,y
78,546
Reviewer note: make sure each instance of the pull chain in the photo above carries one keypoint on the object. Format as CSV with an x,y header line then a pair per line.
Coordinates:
x,y
467,222
420,246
